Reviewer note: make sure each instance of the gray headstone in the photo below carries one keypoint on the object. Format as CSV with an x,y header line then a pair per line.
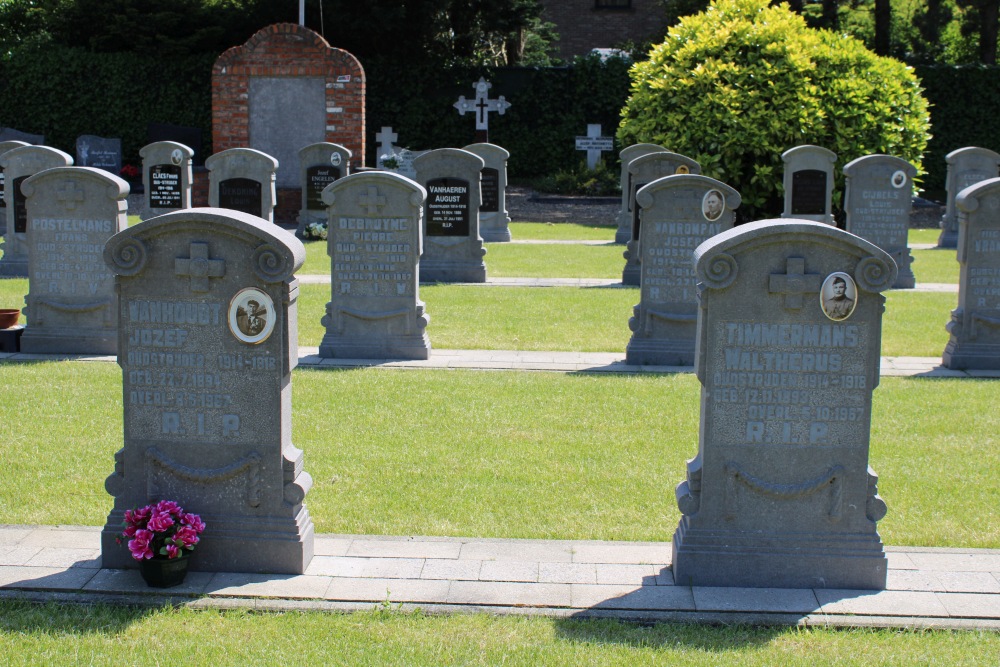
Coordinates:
x,y
18,164
99,152
642,171
373,240
242,179
679,213
966,166
878,199
494,220
320,165
71,307
10,134
781,494
208,341
626,155
287,113
4,147
808,182
975,325
453,247
167,175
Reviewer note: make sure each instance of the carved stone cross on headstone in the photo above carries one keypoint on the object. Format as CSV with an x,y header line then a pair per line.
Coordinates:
x,y
795,282
594,144
482,106
386,140
372,200
199,267
70,194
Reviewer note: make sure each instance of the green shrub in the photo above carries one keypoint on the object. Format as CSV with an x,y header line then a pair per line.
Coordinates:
x,y
579,180
737,85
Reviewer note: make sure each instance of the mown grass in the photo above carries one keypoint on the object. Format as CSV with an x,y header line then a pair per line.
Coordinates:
x,y
935,265
526,455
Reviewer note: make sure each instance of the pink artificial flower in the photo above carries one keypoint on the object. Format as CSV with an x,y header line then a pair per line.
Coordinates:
x,y
168,506
194,521
186,537
160,522
171,551
129,531
140,545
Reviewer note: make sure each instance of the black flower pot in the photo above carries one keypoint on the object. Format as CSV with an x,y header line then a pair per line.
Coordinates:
x,y
164,573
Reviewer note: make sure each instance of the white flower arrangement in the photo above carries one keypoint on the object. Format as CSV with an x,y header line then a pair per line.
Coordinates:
x,y
315,230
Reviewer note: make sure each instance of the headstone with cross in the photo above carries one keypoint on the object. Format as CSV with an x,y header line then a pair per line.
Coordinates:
x,y
625,217
18,164
780,494
208,340
679,213
242,179
374,243
594,144
167,175
320,165
394,158
453,247
974,328
482,106
71,306
966,166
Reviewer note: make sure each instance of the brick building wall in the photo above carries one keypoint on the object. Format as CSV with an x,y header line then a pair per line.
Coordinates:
x,y
288,50
583,25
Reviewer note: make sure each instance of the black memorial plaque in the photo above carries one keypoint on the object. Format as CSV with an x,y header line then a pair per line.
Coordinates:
x,y
809,192
490,190
447,207
20,207
317,178
165,186
241,194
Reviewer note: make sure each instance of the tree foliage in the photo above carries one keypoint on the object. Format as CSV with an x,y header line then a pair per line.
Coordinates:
x,y
736,86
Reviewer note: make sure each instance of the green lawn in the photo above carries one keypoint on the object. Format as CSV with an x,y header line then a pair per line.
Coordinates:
x,y
935,265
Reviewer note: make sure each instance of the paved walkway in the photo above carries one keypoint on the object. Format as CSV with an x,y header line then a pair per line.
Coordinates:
x,y
927,588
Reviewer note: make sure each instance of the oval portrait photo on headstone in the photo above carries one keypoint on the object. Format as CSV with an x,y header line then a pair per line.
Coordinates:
x,y
683,169
251,316
712,205
899,179
176,156
838,296
335,159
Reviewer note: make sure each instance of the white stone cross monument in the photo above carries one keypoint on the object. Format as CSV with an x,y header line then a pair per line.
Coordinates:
x,y
482,106
594,144
386,141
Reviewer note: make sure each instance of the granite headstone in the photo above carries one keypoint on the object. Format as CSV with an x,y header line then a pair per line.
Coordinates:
x,y
494,220
626,155
167,174
99,152
808,181
18,164
780,494
974,328
242,179
71,307
374,238
644,170
10,134
878,200
679,213
453,248
207,343
320,165
4,147
966,166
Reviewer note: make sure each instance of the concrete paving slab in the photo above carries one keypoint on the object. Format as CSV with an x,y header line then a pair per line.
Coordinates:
x,y
388,568
66,557
11,535
956,562
898,560
60,536
409,548
968,582
45,578
18,555
676,598
130,581
913,580
465,570
509,594
508,570
552,552
775,600
267,585
567,573
971,605
331,546
618,573
880,603
388,590
636,554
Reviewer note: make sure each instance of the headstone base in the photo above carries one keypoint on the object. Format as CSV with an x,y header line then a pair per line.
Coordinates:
x,y
948,238
77,341
451,272
14,268
731,558
963,356
493,227
659,352
260,545
624,232
631,274
501,235
412,347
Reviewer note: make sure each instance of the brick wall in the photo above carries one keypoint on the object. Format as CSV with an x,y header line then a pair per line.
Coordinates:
x,y
288,50
582,27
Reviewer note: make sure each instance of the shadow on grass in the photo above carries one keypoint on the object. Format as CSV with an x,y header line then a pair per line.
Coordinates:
x,y
24,617
708,638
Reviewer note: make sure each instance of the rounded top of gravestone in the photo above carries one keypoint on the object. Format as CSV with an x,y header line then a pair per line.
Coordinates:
x,y
717,269
442,154
681,163
646,196
488,150
375,178
976,195
809,151
249,156
12,144
880,160
116,188
276,253
630,153
168,148
973,152
322,149
33,158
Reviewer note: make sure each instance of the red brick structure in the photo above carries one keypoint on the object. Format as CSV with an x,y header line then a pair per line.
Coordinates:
x,y
288,50
583,25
